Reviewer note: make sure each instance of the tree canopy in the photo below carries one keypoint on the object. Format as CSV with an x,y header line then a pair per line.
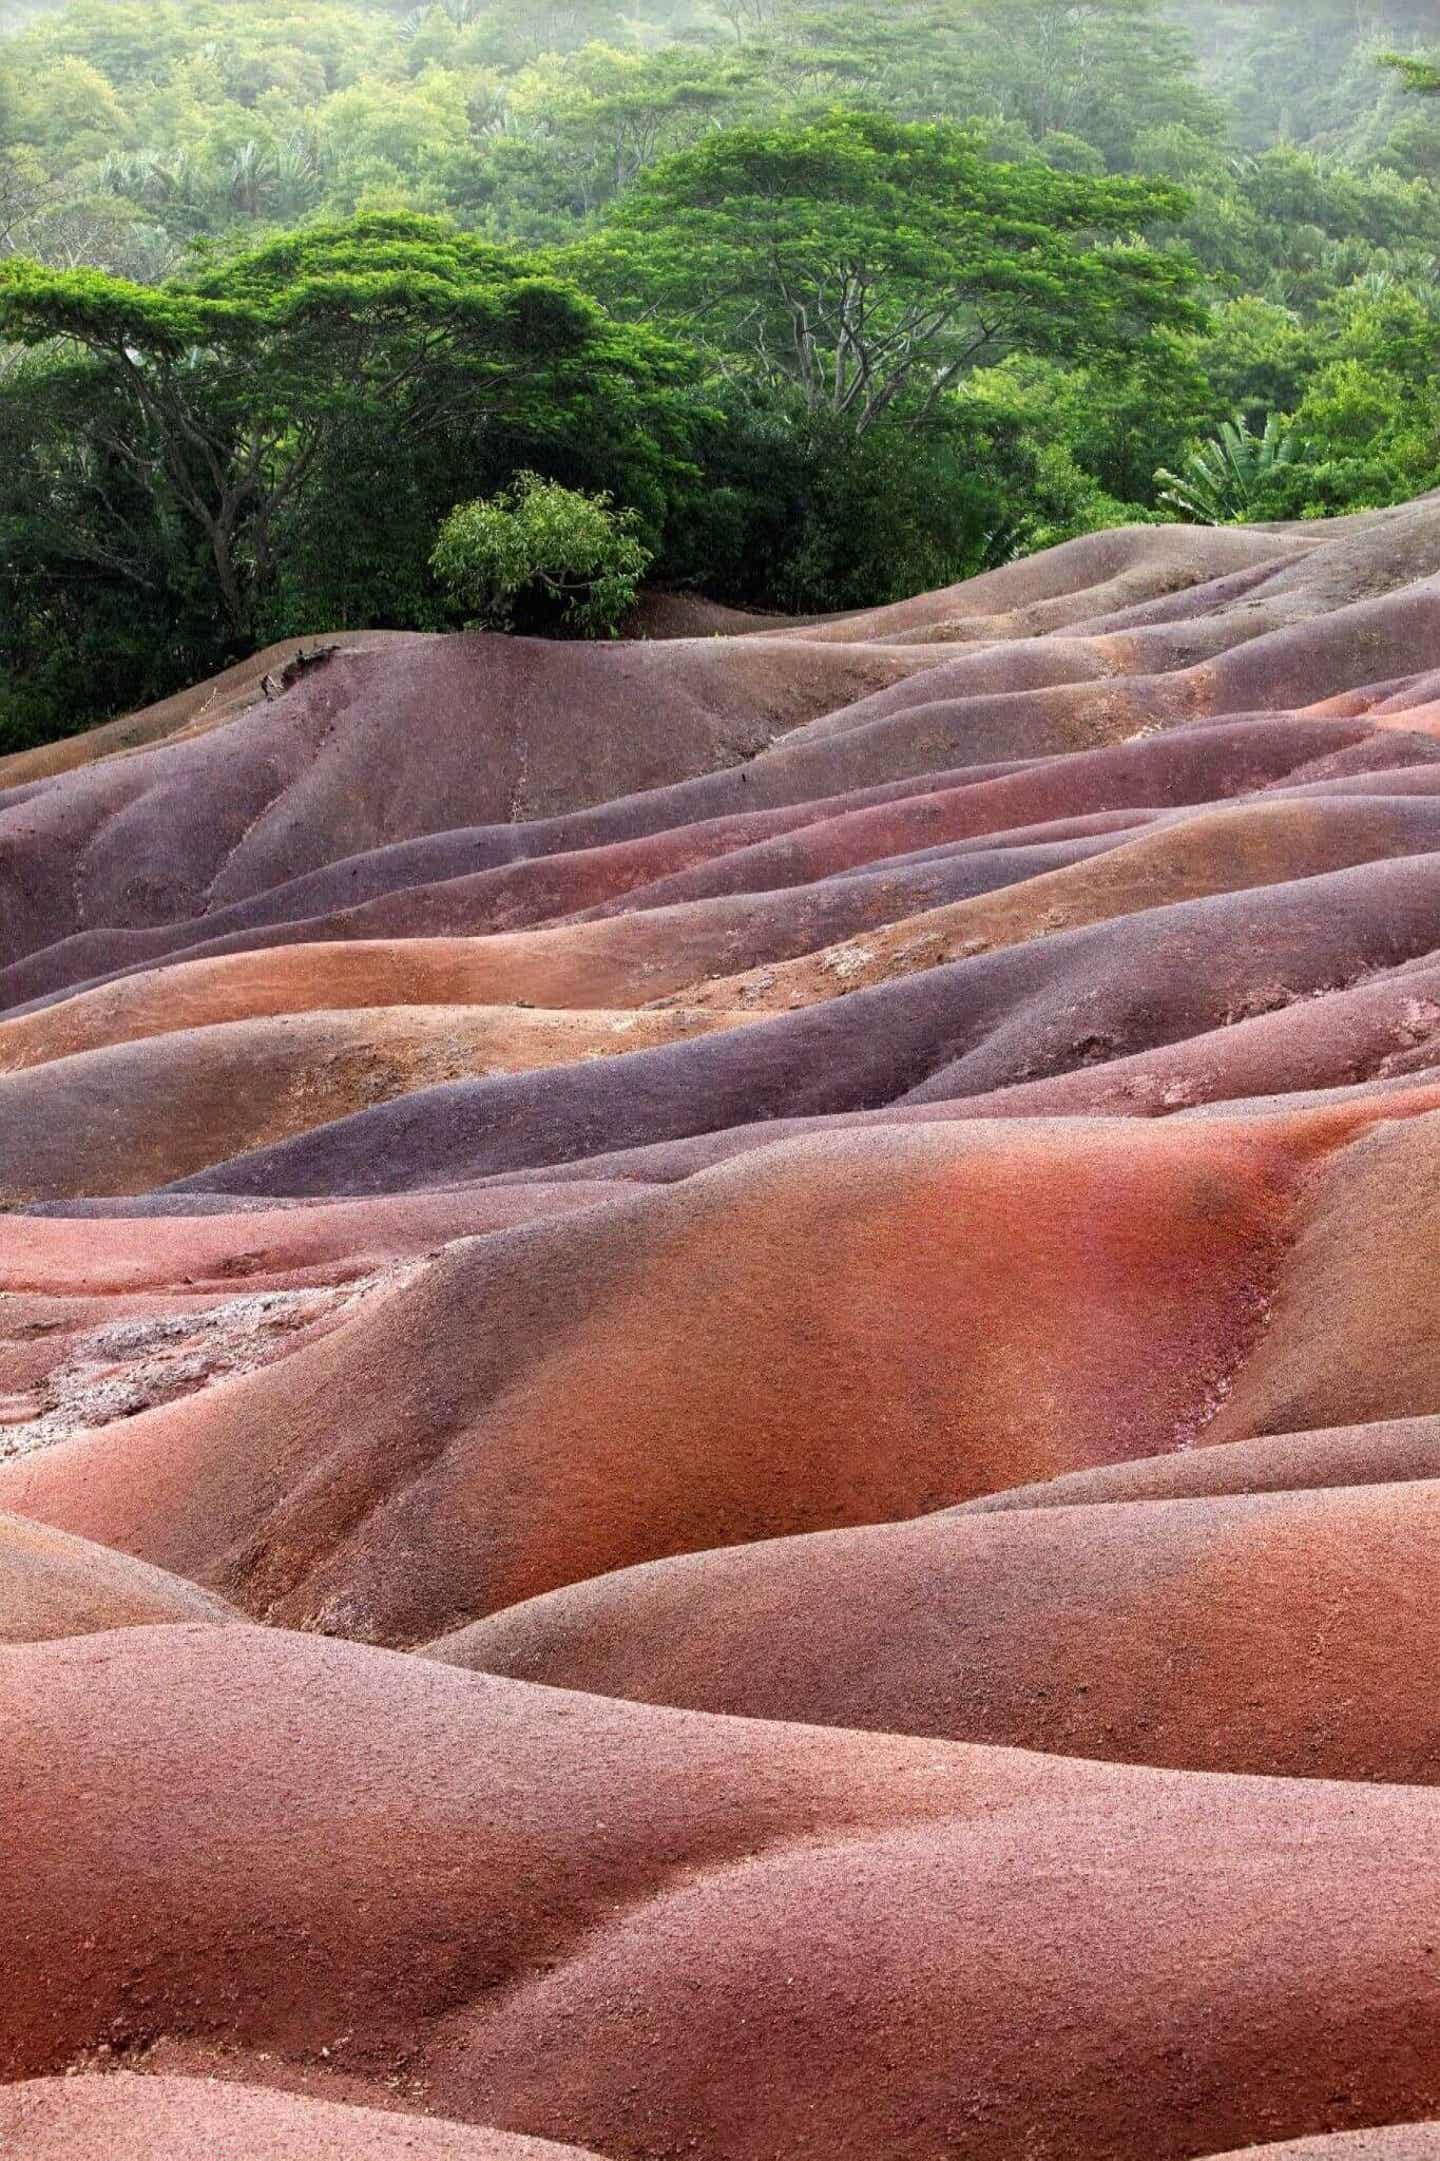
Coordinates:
x,y
1417,74
226,393
868,264
567,558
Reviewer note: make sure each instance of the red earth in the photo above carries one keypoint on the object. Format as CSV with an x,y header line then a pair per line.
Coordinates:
x,y
719,1385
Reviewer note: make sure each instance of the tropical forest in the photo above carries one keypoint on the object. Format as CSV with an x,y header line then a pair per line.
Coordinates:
x,y
318,314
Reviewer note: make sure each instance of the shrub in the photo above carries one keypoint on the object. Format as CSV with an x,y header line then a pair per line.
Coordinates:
x,y
1229,478
540,556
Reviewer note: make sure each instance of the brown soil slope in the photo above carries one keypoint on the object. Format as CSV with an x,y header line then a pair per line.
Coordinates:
x,y
1287,1634
719,1384
55,1585
125,2118
640,1928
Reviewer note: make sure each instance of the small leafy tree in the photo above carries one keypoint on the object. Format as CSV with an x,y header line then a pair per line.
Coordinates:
x,y
1224,481
551,555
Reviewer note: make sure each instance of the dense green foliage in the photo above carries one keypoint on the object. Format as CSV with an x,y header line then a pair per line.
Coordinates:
x,y
863,266
553,556
205,450
1234,475
838,300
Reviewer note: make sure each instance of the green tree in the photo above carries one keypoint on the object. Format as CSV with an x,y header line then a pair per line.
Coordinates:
x,y
376,133
1372,412
226,395
1096,73
515,32
1302,71
1225,481
1102,70
869,264
1419,75
104,600
552,553
798,513
1115,421
1255,357
607,114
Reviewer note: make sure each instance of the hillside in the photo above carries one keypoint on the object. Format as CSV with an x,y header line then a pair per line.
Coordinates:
x,y
720,1398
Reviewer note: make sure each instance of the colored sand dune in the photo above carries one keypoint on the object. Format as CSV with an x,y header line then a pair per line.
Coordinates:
x,y
719,1385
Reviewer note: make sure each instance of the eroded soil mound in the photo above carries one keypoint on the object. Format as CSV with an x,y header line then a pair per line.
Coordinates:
x,y
719,1388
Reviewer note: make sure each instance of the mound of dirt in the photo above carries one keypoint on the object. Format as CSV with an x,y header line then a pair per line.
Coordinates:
x,y
719,1404
55,1585
642,1927
124,2118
